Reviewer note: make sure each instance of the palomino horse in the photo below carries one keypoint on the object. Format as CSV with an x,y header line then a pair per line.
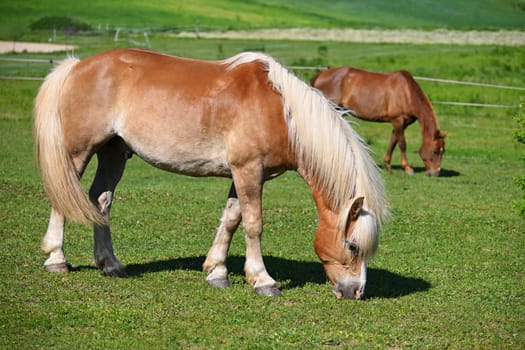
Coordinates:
x,y
387,97
246,118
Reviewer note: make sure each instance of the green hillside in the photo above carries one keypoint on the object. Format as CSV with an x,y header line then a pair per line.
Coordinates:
x,y
16,16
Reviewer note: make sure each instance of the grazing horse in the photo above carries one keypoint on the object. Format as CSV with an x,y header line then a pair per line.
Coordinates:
x,y
245,118
387,97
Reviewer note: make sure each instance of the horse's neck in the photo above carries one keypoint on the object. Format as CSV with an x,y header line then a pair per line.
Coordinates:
x,y
423,111
328,215
426,118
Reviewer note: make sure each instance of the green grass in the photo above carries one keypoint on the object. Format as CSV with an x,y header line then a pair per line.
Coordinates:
x,y
16,16
448,273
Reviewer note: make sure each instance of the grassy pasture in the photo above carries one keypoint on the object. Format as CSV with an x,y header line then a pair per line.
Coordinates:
x,y
449,270
448,274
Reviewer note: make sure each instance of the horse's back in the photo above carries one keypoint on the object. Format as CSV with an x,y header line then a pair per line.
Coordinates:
x,y
374,95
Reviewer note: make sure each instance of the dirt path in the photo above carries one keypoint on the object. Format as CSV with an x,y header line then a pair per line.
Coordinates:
x,y
439,36
9,46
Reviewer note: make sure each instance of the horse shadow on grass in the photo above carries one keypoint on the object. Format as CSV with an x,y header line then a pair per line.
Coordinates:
x,y
418,170
292,274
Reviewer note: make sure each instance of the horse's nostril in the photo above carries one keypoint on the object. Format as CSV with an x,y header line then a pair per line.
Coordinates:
x,y
359,294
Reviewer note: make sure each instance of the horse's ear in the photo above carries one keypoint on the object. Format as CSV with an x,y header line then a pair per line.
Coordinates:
x,y
444,134
356,208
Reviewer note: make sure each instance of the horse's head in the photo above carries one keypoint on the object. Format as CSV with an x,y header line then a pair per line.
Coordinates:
x,y
431,152
344,247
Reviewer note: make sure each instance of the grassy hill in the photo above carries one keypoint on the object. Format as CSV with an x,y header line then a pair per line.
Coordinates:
x,y
17,16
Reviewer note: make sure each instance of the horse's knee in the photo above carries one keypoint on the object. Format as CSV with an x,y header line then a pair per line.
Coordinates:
x,y
253,228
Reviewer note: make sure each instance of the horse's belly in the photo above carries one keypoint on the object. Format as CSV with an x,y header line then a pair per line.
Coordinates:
x,y
192,160
196,167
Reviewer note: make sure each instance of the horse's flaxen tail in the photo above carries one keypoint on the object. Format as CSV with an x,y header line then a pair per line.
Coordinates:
x,y
59,175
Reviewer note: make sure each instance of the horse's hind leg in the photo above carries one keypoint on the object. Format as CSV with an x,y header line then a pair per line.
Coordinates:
x,y
53,242
388,156
403,148
398,137
112,159
215,263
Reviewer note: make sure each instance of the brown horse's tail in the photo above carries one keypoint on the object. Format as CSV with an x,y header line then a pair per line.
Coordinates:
x,y
59,175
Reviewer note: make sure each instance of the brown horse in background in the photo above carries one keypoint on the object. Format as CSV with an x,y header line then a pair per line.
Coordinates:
x,y
246,118
387,97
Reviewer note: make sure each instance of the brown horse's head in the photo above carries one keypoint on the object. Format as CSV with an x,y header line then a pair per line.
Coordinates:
x,y
344,249
432,151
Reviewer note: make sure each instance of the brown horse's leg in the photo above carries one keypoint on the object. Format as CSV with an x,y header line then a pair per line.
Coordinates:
x,y
248,183
215,263
388,156
112,159
403,148
398,137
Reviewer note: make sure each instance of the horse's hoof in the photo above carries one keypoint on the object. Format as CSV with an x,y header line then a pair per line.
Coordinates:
x,y
57,268
269,291
220,283
409,171
115,272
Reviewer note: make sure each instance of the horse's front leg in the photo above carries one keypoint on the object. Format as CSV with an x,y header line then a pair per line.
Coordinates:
x,y
248,182
215,263
53,243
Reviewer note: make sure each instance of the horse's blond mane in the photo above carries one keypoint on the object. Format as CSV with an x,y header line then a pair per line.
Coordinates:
x,y
330,151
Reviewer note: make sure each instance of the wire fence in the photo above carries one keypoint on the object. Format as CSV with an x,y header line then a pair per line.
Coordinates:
x,y
438,80
470,83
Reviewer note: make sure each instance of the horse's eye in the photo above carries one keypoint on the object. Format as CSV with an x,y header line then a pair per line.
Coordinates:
x,y
353,248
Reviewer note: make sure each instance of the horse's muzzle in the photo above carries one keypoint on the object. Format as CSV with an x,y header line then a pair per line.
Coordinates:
x,y
353,289
434,172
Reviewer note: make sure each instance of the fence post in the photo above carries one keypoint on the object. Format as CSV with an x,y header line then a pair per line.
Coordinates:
x,y
147,40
